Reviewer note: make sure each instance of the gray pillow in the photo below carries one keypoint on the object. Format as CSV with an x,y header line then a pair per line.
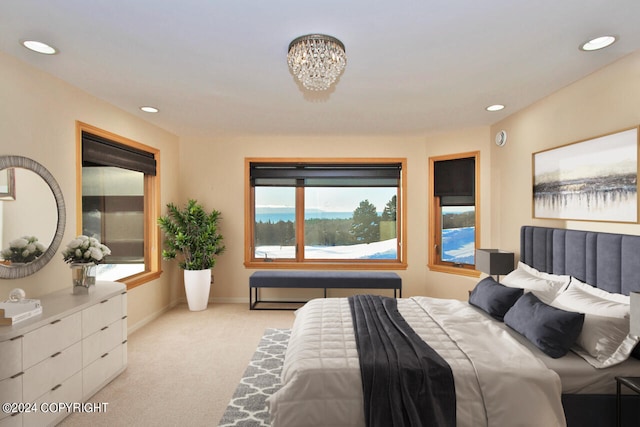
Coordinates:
x,y
550,329
493,297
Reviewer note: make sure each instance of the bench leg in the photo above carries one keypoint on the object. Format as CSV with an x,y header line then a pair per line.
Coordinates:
x,y
253,300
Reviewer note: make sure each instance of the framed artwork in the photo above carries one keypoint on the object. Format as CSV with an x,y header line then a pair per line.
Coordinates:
x,y
7,184
592,180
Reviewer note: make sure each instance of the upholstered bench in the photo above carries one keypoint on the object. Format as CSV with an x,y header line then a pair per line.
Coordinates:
x,y
321,280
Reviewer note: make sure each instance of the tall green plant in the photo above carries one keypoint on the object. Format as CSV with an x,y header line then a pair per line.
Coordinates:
x,y
193,233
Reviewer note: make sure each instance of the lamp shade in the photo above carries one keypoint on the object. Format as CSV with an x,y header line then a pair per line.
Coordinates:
x,y
635,314
494,261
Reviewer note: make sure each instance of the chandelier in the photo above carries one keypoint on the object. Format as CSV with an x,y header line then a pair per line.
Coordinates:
x,y
316,60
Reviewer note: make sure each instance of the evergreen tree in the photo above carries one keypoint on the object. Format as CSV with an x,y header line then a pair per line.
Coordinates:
x,y
389,212
366,223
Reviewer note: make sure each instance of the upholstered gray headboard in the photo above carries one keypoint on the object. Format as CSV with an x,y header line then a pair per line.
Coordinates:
x,y
605,260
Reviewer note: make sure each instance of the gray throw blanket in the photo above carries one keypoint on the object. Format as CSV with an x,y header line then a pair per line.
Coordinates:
x,y
405,382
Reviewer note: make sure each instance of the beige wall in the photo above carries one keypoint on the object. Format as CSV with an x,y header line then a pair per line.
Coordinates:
x,y
213,173
601,103
38,116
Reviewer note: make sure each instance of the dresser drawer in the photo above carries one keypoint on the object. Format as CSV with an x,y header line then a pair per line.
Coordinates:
x,y
102,314
69,391
124,303
40,344
101,342
11,392
11,357
124,342
51,372
96,374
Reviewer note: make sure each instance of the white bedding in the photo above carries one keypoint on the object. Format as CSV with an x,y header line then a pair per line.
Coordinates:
x,y
498,381
578,376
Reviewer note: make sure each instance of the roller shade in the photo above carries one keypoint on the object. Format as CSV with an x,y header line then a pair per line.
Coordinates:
x,y
325,175
98,151
455,181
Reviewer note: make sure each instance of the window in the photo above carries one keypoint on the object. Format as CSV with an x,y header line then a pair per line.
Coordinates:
x,y
343,213
453,215
118,203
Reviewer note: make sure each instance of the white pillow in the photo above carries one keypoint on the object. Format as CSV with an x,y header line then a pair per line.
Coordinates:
x,y
604,340
564,279
543,285
587,299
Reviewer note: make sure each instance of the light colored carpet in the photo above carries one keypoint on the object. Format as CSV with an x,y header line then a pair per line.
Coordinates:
x,y
183,367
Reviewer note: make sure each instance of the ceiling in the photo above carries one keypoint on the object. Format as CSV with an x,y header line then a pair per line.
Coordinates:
x,y
219,67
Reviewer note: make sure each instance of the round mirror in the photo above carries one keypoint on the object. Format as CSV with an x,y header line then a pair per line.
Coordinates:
x,y
32,216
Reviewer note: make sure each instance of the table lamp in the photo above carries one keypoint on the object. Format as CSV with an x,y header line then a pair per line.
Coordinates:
x,y
494,261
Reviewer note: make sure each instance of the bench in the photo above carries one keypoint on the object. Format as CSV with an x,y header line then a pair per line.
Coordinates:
x,y
320,280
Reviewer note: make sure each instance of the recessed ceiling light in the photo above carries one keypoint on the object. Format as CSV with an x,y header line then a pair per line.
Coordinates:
x,y
495,107
598,43
148,109
39,47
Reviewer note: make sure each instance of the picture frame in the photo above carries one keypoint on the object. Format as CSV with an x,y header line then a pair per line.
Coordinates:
x,y
7,184
589,180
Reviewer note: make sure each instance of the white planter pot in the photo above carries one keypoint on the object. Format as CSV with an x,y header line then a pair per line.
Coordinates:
x,y
197,284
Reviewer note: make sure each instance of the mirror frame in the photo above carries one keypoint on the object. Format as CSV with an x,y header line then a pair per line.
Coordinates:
x,y
13,272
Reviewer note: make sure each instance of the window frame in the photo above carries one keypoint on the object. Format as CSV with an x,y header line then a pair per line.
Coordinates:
x,y
309,264
152,260
434,261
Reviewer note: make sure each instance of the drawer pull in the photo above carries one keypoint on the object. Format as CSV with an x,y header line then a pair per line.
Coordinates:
x,y
17,375
106,327
104,355
55,321
103,301
16,338
56,387
124,342
124,317
56,354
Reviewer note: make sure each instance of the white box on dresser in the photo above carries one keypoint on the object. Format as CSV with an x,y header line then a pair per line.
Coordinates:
x,y
65,355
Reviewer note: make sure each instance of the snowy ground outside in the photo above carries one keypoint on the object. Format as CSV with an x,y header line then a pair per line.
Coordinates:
x,y
385,249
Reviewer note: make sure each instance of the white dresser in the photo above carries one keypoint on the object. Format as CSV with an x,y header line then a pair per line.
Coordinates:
x,y
76,347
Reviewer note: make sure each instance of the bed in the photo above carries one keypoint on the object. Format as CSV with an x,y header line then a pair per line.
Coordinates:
x,y
499,376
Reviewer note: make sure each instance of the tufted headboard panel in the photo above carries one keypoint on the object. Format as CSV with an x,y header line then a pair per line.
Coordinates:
x,y
605,260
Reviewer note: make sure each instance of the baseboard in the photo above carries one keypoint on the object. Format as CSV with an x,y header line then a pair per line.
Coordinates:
x,y
132,328
237,300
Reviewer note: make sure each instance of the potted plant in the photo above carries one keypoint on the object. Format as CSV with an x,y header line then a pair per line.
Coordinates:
x,y
193,234
83,254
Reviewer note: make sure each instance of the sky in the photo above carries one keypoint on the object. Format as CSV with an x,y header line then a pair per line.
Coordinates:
x,y
326,199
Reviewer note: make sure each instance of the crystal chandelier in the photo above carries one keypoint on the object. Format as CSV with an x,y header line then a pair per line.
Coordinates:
x,y
316,60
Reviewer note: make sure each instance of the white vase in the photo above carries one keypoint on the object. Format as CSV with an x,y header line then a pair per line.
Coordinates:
x,y
197,284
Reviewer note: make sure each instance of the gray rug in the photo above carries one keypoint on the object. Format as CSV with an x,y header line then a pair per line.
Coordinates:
x,y
248,406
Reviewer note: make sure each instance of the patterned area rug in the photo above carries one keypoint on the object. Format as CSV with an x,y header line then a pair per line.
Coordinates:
x,y
248,406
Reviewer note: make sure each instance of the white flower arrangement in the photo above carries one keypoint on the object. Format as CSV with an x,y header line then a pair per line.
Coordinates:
x,y
24,249
84,249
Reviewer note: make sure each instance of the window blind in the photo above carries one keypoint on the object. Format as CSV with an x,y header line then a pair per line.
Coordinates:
x,y
325,175
99,151
455,181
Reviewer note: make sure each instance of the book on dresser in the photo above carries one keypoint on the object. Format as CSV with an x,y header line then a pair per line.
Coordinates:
x,y
12,312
